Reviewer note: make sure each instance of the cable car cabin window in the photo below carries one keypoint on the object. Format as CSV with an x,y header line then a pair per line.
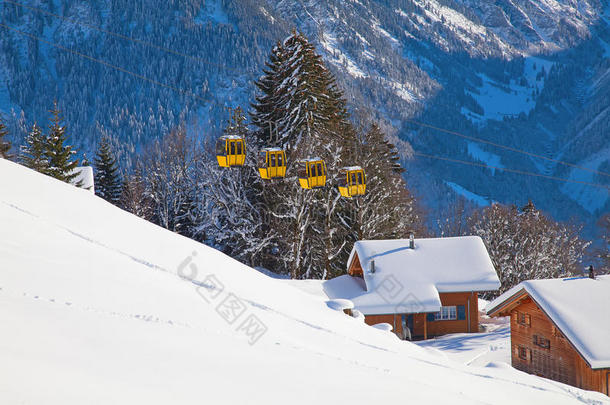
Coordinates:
x,y
353,178
360,180
239,146
221,147
272,160
279,160
320,170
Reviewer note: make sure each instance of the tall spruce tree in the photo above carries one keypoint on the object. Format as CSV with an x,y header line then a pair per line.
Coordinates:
x,y
60,156
299,98
5,145
33,152
107,177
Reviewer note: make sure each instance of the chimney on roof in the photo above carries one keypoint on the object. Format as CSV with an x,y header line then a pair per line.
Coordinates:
x,y
412,241
372,266
591,272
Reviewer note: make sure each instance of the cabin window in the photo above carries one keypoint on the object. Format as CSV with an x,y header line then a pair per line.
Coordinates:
x,y
448,313
525,353
220,147
542,342
524,319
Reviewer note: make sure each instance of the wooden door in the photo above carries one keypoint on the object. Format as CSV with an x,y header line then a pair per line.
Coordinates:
x,y
317,172
231,153
361,183
321,175
353,184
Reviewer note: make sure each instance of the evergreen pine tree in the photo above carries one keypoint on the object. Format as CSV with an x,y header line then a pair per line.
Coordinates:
x,y
33,151
60,156
307,110
5,145
107,177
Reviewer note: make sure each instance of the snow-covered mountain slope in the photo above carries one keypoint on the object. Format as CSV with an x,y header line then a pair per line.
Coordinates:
x,y
96,306
524,74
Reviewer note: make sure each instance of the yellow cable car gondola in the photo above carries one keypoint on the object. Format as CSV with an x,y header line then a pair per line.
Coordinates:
x,y
272,163
312,173
231,151
351,181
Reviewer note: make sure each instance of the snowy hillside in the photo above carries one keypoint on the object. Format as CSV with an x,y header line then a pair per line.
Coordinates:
x,y
96,308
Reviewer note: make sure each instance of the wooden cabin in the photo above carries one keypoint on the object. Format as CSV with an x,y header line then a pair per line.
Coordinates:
x,y
560,329
422,287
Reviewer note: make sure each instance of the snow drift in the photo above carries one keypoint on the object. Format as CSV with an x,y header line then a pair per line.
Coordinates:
x,y
99,306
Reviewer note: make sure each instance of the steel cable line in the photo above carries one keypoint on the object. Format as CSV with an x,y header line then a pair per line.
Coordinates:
x,y
522,172
121,36
110,65
472,138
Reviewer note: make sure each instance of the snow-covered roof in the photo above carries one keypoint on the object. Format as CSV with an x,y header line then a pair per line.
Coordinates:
x,y
313,159
409,280
352,168
223,137
271,150
85,175
578,306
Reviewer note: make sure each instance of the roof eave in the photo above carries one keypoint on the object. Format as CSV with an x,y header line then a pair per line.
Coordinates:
x,y
509,300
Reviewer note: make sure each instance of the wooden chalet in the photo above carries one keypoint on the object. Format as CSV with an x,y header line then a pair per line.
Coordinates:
x,y
422,287
560,329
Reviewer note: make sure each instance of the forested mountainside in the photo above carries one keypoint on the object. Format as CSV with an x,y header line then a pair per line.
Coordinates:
x,y
532,75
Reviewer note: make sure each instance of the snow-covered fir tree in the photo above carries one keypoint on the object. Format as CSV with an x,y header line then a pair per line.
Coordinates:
x,y
166,168
107,175
33,151
60,156
301,110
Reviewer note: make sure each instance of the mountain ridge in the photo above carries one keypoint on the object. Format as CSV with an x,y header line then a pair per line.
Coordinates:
x,y
530,75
